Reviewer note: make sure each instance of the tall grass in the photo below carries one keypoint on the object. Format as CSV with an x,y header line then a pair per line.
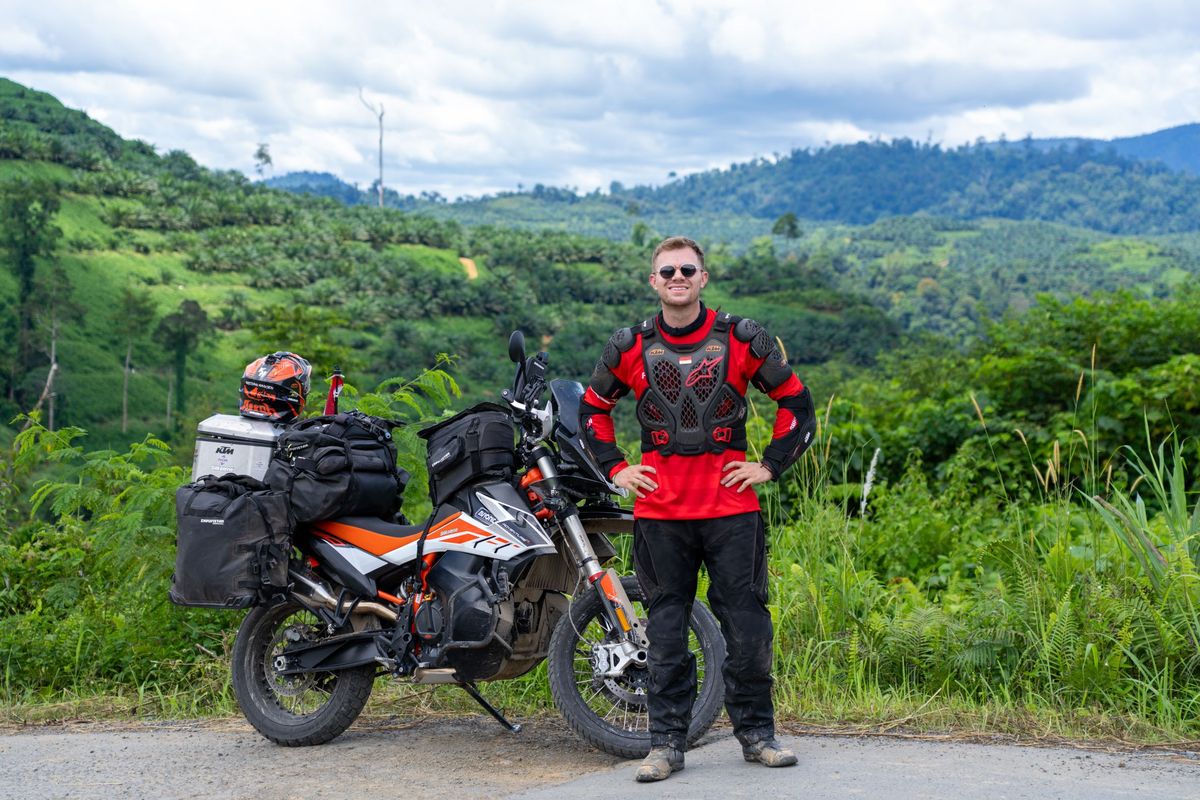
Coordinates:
x,y
941,606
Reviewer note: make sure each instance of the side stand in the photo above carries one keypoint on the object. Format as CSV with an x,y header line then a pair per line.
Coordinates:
x,y
470,689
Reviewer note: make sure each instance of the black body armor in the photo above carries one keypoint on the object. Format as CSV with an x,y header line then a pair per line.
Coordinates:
x,y
690,407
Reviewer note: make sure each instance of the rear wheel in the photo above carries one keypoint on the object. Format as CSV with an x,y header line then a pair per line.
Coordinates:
x,y
610,712
293,710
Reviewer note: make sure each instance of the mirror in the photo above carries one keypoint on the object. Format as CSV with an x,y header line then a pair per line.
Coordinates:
x,y
516,347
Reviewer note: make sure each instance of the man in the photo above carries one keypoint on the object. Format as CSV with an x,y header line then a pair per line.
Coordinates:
x,y
689,368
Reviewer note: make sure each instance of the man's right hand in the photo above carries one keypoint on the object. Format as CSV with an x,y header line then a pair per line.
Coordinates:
x,y
636,477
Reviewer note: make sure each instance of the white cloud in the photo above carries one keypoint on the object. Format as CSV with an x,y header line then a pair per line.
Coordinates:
x,y
17,42
482,95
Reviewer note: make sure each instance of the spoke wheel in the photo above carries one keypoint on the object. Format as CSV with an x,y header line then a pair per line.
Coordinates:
x,y
292,710
610,712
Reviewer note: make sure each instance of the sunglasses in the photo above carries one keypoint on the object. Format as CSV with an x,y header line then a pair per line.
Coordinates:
x,y
687,270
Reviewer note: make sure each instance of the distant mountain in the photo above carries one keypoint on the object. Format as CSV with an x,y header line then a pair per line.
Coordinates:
x,y
1177,148
860,183
318,184
1145,185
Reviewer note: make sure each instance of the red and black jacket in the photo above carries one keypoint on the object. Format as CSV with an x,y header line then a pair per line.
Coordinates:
x,y
688,465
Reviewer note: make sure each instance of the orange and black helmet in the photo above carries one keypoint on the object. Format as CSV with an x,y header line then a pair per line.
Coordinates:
x,y
275,387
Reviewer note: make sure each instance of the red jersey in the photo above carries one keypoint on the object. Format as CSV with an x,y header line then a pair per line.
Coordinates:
x,y
689,486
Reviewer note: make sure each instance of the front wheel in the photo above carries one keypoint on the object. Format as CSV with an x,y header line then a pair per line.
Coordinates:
x,y
608,712
293,710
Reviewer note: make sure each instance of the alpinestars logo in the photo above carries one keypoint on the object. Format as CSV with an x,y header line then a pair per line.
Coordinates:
x,y
705,370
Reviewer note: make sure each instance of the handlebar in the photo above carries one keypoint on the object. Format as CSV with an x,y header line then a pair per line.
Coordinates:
x,y
535,379
526,391
528,386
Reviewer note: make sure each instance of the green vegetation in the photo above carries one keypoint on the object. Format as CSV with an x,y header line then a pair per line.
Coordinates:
x,y
1073,183
944,597
867,181
226,270
1025,560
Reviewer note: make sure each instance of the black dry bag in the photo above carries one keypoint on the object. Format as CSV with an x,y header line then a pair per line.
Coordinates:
x,y
233,543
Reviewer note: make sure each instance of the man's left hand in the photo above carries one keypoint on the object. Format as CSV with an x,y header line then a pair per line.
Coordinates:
x,y
746,473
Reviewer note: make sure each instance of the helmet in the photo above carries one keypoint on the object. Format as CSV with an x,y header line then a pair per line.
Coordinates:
x,y
275,387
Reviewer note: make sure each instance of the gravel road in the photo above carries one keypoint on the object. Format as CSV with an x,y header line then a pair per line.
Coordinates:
x,y
474,758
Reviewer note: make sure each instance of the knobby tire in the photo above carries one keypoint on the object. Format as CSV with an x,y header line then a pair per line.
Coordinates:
x,y
624,730
293,711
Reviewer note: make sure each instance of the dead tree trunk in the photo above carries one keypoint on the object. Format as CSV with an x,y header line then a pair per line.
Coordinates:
x,y
45,393
48,389
379,114
53,370
125,389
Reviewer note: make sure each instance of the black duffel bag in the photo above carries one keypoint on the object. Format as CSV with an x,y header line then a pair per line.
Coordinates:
x,y
233,543
338,466
472,445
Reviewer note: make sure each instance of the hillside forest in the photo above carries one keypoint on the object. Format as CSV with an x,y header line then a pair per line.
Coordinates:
x,y
998,524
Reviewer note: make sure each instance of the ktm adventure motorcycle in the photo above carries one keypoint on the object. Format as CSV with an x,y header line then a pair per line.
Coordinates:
x,y
504,574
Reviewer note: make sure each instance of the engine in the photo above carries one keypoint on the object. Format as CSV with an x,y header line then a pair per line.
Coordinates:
x,y
479,624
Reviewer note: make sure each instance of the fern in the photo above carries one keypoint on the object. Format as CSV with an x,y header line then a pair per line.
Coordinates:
x,y
413,399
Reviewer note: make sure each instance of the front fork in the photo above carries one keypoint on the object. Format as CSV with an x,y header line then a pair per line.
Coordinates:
x,y
619,613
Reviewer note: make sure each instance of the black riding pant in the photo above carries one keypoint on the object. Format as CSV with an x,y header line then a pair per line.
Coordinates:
x,y
668,555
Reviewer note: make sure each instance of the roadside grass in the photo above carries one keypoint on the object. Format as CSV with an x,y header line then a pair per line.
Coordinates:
x,y
821,701
827,709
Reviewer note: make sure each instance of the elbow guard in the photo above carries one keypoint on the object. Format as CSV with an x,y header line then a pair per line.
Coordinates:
x,y
785,450
604,390
599,436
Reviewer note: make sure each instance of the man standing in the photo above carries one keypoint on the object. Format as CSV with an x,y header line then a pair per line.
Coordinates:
x,y
689,368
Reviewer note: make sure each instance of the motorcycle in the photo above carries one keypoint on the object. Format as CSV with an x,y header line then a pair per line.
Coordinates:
x,y
503,575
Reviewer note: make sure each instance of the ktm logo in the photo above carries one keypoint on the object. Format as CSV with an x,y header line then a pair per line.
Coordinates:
x,y
655,351
225,451
705,370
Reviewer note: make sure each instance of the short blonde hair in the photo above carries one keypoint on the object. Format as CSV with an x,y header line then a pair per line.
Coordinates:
x,y
677,243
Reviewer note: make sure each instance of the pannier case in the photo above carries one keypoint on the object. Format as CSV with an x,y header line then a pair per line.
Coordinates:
x,y
227,443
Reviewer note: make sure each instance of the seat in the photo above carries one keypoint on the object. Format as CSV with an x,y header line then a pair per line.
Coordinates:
x,y
391,529
380,526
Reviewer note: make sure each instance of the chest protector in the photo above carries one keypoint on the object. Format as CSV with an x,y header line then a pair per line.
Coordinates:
x,y
690,407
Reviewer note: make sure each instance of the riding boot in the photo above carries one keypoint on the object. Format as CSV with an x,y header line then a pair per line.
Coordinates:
x,y
769,753
659,764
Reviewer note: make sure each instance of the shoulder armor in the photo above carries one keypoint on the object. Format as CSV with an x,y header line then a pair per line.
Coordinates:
x,y
620,342
623,338
748,330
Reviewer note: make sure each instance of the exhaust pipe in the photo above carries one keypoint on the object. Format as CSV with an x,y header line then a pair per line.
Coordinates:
x,y
321,596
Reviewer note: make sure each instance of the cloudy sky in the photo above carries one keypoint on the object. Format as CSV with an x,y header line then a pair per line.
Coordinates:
x,y
480,96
